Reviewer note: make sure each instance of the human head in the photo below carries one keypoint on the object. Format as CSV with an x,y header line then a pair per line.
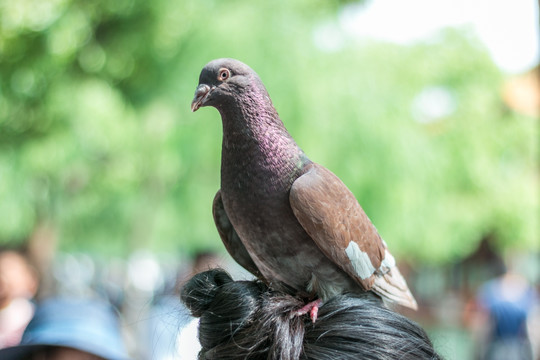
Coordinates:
x,y
247,320
17,277
70,329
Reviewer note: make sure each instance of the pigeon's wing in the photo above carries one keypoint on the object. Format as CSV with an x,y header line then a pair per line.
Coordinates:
x,y
332,217
230,238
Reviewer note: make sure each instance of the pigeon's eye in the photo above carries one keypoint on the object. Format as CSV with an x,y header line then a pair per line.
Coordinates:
x,y
224,74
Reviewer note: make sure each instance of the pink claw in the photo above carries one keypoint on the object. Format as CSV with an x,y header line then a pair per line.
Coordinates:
x,y
312,308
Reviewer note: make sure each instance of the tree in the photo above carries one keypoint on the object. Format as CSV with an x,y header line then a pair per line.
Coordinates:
x,y
96,136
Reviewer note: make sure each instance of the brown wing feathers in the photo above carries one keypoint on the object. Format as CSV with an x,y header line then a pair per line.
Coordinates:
x,y
331,215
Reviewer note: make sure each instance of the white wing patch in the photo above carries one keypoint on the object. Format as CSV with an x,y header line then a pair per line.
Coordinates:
x,y
388,260
359,260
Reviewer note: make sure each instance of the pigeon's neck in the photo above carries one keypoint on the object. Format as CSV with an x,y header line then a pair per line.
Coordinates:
x,y
253,124
256,146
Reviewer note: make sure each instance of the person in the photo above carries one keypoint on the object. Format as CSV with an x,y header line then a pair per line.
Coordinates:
x,y
248,320
73,329
171,331
18,285
507,302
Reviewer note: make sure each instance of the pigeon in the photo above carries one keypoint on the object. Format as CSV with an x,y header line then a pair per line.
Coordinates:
x,y
286,219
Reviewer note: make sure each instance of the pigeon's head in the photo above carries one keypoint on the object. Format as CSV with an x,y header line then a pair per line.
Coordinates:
x,y
221,81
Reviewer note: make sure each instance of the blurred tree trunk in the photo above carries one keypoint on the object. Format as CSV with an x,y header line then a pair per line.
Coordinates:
x,y
41,247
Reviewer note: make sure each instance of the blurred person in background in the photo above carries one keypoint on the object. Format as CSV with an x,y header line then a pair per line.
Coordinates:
x,y
172,330
504,305
70,329
18,285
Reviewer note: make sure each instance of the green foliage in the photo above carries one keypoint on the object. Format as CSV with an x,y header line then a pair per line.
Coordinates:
x,y
96,133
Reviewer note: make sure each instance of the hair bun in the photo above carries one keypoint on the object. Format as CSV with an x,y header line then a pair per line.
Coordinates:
x,y
200,291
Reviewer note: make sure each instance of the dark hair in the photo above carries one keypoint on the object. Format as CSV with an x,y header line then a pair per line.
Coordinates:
x,y
247,320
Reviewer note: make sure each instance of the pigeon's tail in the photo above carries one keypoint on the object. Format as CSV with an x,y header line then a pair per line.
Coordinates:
x,y
393,288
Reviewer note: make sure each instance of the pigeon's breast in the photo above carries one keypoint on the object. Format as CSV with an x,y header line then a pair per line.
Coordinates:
x,y
255,193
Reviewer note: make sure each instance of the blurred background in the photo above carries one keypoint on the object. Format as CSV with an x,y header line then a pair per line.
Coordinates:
x,y
427,110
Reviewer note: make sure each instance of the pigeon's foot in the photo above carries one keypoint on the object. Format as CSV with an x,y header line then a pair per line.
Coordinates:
x,y
312,308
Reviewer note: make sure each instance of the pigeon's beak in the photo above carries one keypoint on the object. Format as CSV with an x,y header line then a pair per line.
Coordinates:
x,y
201,94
